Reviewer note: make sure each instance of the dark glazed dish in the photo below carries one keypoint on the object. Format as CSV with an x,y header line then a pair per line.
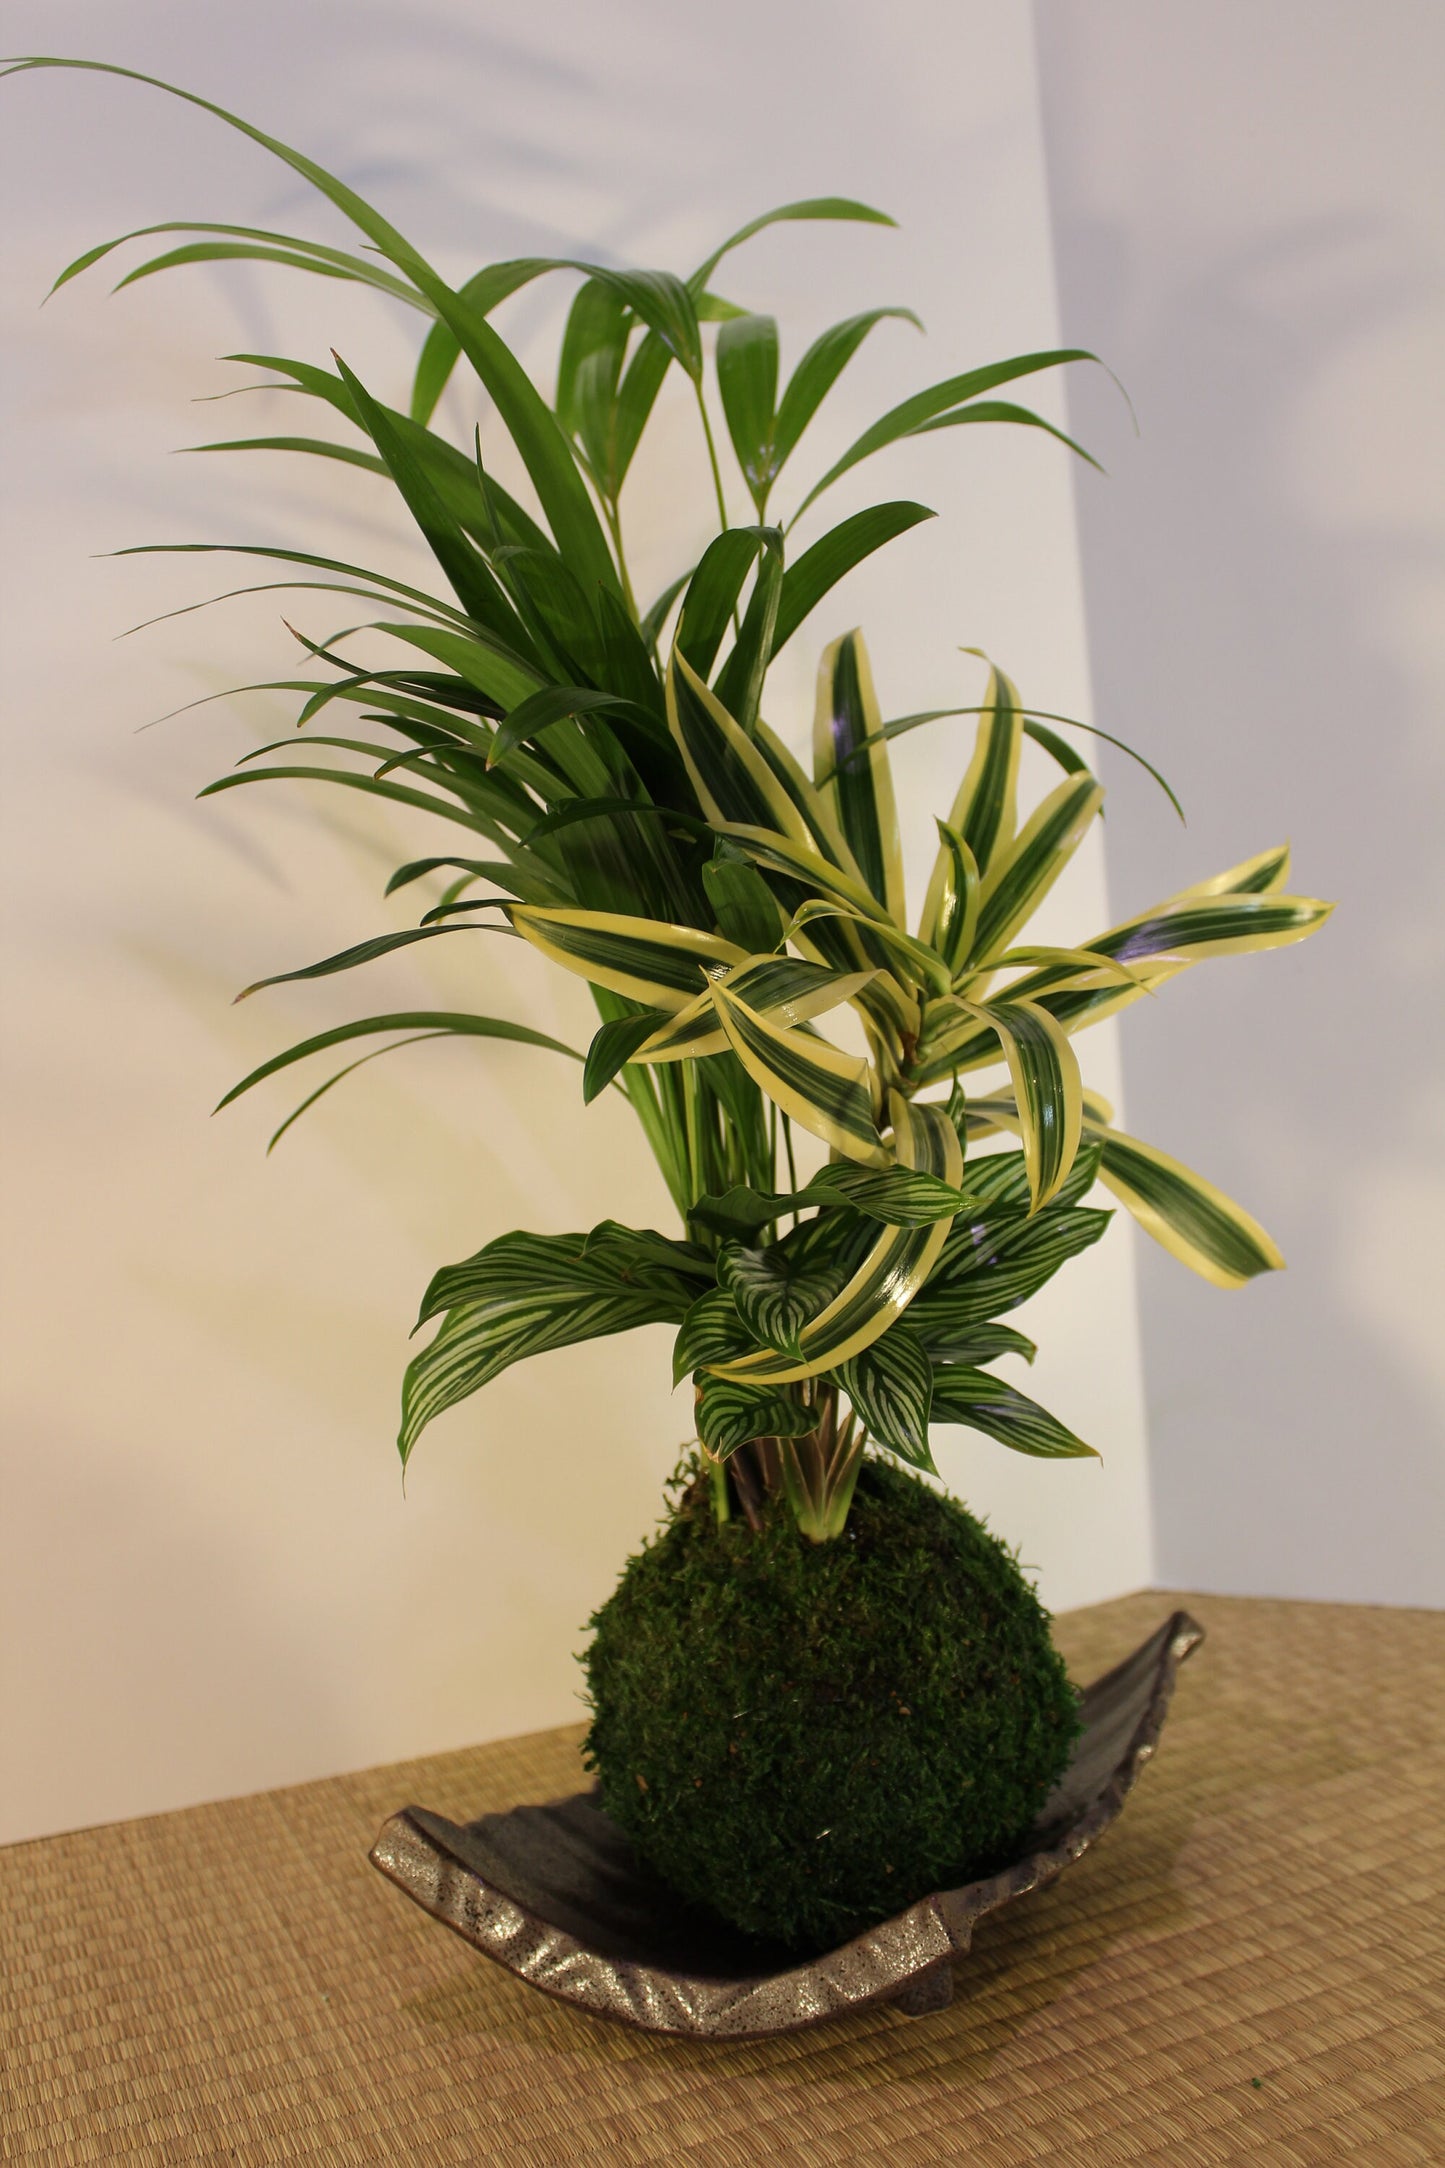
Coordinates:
x,y
554,1893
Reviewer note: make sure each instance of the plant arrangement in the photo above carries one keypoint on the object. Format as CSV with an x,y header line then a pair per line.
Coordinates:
x,y
631,811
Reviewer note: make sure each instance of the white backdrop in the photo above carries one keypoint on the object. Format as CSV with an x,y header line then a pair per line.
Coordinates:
x,y
211,1579
1248,220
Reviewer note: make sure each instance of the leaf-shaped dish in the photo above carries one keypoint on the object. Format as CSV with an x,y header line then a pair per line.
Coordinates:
x,y
557,1895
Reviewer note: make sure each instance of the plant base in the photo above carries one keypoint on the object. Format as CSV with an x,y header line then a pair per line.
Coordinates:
x,y
556,1896
803,1738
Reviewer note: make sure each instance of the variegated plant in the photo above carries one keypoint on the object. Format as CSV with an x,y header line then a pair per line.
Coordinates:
x,y
643,826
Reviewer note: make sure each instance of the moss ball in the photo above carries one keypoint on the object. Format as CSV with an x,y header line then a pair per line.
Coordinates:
x,y
805,1738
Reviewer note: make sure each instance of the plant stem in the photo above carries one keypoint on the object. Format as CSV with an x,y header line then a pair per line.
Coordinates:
x,y
614,525
792,1169
722,510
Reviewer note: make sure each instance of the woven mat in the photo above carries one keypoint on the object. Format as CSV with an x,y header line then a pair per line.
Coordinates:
x,y
1250,1965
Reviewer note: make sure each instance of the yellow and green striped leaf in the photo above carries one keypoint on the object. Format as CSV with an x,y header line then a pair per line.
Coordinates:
x,y
985,812
919,965
819,815
649,961
1257,876
828,1093
733,781
1190,927
851,768
784,989
950,913
1048,1089
798,861
1021,874
895,1268
1188,1216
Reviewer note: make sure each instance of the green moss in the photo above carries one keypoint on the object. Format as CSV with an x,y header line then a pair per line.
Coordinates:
x,y
807,1737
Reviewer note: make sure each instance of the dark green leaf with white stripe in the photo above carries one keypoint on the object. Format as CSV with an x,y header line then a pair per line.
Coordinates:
x,y
890,1385
985,1403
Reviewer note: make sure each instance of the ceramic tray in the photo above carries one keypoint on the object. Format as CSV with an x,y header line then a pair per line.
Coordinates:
x,y
556,1894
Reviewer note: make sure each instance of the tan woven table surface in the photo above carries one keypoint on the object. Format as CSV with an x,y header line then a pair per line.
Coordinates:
x,y
1251,1965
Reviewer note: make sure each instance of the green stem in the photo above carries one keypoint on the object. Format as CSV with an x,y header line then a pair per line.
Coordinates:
x,y
792,1168
722,510
614,526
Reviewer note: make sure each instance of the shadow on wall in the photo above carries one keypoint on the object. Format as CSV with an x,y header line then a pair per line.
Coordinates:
x,y
1256,580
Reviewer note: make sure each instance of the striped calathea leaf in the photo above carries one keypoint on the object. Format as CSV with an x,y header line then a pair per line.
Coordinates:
x,y
524,1293
637,815
731,1414
896,1265
890,1384
779,1289
965,1395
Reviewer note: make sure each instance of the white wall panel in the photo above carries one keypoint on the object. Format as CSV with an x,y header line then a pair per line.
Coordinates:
x,y
212,1580
1248,223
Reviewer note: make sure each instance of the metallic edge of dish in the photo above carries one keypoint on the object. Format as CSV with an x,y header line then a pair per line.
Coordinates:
x,y
906,1960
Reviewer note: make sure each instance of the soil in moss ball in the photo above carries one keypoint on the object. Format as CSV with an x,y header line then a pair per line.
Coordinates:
x,y
806,1738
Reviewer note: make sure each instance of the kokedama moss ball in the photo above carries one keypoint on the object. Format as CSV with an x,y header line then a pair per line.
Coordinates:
x,y
805,1738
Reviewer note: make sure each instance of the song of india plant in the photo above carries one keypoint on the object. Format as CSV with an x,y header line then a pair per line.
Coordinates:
x,y
629,806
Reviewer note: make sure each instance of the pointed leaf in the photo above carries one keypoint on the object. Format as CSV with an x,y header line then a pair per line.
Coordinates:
x,y
980,1342
812,207
817,572
1021,874
747,375
985,1403
828,1093
895,1267
1188,1216
733,782
740,681
522,1295
777,1290
817,373
950,912
890,1384
659,965
1258,876
729,1414
1191,927
988,1266
364,952
926,406
850,763
613,1046
713,591
1048,1089
711,1331
443,1022
985,811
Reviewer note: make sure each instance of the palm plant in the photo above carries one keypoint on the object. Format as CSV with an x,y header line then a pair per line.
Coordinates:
x,y
631,814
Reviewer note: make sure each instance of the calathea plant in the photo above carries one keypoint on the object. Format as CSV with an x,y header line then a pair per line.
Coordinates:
x,y
615,792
